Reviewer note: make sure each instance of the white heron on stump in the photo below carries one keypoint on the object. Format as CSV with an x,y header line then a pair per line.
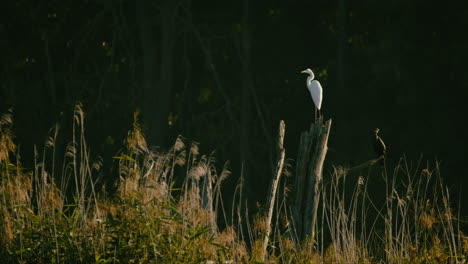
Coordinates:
x,y
315,90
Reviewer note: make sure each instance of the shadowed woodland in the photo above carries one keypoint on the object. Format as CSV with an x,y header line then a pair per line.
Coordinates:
x,y
95,93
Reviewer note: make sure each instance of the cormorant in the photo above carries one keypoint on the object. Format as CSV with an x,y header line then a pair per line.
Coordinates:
x,y
379,145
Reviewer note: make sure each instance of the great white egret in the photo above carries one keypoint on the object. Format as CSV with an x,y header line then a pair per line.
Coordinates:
x,y
379,145
315,90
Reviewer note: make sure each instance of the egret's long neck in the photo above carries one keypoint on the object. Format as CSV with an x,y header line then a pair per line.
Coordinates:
x,y
310,79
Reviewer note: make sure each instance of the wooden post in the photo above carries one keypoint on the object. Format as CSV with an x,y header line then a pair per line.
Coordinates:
x,y
274,187
309,165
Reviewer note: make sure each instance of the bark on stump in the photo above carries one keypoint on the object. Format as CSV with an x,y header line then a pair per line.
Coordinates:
x,y
309,165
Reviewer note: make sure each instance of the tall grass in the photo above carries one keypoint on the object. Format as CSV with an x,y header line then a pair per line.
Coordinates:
x,y
168,208
414,224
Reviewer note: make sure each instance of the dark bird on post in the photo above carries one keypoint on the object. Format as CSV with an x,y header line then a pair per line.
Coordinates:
x,y
379,145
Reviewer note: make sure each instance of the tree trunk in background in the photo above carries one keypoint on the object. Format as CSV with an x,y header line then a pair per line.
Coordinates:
x,y
341,48
168,13
50,72
148,51
247,86
187,121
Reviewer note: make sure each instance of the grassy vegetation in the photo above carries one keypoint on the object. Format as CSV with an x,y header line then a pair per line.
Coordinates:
x,y
50,217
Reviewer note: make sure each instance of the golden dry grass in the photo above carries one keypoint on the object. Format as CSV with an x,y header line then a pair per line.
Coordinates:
x,y
149,220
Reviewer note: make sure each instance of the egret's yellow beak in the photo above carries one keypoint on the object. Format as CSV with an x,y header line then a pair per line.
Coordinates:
x,y
304,71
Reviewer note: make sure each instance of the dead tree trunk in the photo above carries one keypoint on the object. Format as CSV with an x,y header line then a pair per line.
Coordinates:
x,y
274,187
309,164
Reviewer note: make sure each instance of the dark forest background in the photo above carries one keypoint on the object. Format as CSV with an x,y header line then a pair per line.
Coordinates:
x,y
224,73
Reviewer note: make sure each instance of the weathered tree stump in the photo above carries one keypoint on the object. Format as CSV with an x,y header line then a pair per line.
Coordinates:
x,y
309,165
274,187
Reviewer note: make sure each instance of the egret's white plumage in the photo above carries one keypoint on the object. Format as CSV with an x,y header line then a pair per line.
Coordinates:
x,y
315,89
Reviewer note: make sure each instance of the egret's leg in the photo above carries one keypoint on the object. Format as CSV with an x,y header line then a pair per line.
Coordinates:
x,y
315,115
